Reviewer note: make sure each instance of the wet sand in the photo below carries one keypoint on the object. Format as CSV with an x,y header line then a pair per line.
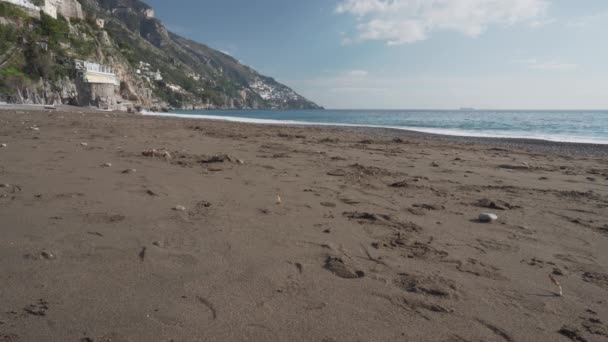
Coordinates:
x,y
120,227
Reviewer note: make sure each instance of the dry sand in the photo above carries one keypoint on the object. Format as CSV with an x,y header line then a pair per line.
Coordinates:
x,y
294,233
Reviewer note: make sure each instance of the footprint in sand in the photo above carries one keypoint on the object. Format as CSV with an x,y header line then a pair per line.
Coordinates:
x,y
383,220
434,286
200,210
477,268
495,245
496,330
412,250
93,218
599,279
338,267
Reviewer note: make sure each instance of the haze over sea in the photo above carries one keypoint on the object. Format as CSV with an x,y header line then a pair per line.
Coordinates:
x,y
581,126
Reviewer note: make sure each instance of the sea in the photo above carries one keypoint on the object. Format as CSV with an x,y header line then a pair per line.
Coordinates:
x,y
580,126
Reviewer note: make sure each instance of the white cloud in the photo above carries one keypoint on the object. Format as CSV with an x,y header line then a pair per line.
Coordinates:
x,y
358,73
555,66
542,22
528,91
407,21
588,21
552,65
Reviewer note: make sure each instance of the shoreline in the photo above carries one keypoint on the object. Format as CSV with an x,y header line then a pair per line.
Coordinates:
x,y
539,145
531,145
427,130
424,130
464,135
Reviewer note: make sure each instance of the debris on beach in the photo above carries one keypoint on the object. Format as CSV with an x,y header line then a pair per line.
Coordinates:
x,y
151,193
129,171
3,145
522,166
157,153
572,333
47,255
487,217
142,254
556,283
203,204
34,128
349,201
218,158
337,173
5,185
179,208
426,206
38,309
494,204
106,165
402,184
84,144
279,201
40,256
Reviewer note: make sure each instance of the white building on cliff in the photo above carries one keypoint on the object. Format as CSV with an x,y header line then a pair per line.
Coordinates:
x,y
94,73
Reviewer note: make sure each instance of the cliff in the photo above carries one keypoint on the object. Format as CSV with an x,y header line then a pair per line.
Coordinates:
x,y
156,68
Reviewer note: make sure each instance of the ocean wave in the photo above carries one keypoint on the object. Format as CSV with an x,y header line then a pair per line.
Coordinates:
x,y
440,131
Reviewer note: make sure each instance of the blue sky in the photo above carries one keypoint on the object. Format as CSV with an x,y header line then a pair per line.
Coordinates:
x,y
398,54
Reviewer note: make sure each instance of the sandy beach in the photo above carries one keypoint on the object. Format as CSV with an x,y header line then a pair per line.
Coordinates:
x,y
122,227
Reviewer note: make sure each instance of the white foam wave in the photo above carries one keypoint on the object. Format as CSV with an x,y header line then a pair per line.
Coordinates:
x,y
441,131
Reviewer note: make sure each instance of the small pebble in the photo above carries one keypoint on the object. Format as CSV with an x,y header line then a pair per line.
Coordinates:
x,y
3,145
5,185
35,128
179,208
129,171
487,217
84,144
47,255
107,165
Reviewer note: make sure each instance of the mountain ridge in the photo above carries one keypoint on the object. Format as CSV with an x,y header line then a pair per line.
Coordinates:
x,y
157,69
